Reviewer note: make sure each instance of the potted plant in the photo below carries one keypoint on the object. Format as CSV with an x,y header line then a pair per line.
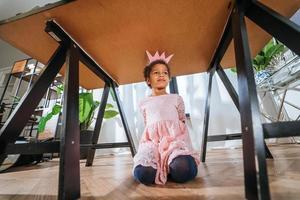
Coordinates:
x,y
87,108
262,61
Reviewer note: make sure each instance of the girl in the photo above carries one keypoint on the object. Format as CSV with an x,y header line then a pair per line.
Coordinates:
x,y
165,149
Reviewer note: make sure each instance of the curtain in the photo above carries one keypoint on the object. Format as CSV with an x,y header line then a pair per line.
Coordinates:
x,y
224,117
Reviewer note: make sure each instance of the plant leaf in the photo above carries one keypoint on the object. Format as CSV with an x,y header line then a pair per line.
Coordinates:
x,y
16,98
59,89
108,106
56,109
268,46
275,50
233,69
259,60
85,106
43,121
110,114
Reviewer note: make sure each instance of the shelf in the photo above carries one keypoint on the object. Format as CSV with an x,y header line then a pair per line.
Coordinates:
x,y
23,71
27,77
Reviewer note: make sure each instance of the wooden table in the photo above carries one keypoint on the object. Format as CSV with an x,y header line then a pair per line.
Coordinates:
x,y
117,33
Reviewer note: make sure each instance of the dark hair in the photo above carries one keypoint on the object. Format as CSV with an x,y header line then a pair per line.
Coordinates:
x,y
148,69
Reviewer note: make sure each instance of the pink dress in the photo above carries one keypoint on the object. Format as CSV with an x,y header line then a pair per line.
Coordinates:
x,y
165,136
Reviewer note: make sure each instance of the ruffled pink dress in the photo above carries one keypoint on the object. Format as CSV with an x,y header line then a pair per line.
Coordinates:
x,y
165,136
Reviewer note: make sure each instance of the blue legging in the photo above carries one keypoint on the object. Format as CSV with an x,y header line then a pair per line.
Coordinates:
x,y
182,169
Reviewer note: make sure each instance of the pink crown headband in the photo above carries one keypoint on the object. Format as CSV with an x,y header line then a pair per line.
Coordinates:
x,y
159,57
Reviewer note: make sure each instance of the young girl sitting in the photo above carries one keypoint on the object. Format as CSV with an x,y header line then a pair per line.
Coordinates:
x,y
165,149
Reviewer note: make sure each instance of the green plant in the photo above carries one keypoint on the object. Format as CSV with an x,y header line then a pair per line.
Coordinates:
x,y
16,99
56,109
87,107
263,58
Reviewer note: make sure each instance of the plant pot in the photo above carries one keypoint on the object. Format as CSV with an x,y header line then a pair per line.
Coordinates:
x,y
85,138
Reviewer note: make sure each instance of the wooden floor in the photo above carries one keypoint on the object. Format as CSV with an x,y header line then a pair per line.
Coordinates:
x,y
221,177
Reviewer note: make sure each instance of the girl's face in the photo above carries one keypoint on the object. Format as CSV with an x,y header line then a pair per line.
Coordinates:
x,y
159,77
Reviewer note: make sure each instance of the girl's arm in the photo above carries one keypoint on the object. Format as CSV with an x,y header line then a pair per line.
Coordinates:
x,y
181,109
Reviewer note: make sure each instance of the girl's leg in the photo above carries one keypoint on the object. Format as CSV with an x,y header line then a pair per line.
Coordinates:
x,y
183,168
145,175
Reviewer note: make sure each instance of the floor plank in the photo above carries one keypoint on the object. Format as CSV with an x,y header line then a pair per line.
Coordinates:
x,y
221,177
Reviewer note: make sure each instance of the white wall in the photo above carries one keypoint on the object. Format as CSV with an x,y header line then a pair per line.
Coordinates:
x,y
9,54
9,8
